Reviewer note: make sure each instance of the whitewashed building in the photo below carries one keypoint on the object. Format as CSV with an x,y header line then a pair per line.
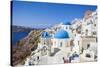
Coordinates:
x,y
60,39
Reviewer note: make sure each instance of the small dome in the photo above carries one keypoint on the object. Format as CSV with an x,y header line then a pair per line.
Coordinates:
x,y
45,35
61,34
66,23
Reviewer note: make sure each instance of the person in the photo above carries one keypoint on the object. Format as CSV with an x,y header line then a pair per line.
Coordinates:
x,y
30,63
70,58
65,60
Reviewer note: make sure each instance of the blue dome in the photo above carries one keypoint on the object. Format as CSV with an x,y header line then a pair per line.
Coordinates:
x,y
61,34
66,23
45,35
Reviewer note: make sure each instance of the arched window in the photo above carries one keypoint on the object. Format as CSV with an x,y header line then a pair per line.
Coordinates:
x,y
66,27
86,32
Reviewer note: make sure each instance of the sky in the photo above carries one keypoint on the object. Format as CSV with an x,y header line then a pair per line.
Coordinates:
x,y
43,15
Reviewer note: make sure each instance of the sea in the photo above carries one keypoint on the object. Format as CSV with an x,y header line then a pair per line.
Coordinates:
x,y
16,36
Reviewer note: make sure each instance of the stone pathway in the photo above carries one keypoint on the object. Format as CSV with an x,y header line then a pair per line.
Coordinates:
x,y
56,59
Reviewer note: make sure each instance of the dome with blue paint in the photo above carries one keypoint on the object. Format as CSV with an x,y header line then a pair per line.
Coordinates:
x,y
66,23
61,34
45,35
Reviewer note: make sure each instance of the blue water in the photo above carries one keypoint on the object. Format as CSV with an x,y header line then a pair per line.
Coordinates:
x,y
16,36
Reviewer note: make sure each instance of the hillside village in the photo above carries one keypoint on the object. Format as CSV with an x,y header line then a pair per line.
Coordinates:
x,y
67,42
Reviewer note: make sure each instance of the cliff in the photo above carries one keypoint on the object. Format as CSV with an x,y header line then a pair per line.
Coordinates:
x,y
24,47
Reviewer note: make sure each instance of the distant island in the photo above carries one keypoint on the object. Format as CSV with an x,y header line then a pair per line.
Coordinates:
x,y
16,28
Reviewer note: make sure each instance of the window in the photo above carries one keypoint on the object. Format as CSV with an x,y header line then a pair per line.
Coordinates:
x,y
66,27
86,32
61,44
95,25
88,45
94,33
